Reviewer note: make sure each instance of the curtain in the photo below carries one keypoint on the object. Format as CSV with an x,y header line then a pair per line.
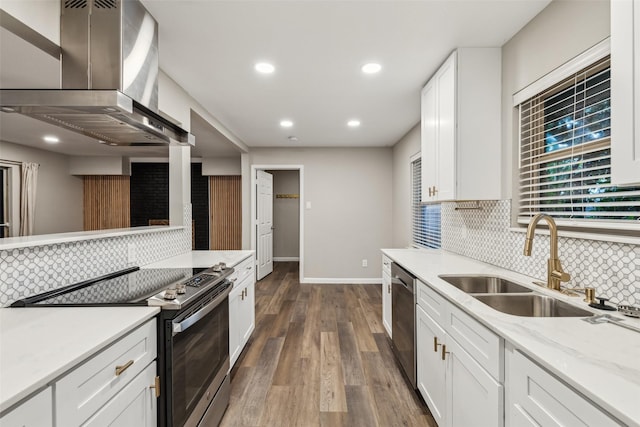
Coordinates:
x,y
28,186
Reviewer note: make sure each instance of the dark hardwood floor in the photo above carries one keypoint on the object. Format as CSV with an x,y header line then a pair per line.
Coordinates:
x,y
319,356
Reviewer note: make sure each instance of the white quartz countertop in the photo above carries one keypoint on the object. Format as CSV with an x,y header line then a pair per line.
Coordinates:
x,y
601,361
202,259
38,345
77,236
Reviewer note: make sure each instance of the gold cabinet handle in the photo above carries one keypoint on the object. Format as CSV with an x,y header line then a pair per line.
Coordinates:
x,y
435,344
444,351
430,194
121,368
156,386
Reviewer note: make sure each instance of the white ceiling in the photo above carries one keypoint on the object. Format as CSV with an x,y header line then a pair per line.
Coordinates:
x,y
209,47
318,47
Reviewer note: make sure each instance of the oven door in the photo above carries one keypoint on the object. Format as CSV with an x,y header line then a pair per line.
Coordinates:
x,y
199,360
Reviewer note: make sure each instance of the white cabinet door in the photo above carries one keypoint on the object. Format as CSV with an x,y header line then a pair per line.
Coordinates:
x,y
35,412
234,327
446,105
625,91
386,302
430,366
135,405
242,317
248,312
429,141
537,398
474,398
460,140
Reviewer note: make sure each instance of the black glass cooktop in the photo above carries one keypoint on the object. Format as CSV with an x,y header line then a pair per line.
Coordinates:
x,y
125,287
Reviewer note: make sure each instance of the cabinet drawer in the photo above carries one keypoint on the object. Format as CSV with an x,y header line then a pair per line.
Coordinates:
x,y
242,270
135,405
35,412
432,303
540,398
87,388
482,344
386,265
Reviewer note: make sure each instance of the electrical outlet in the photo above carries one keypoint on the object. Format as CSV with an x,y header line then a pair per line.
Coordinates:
x,y
365,263
132,256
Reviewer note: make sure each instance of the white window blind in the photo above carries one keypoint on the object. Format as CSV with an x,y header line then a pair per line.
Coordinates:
x,y
425,219
565,154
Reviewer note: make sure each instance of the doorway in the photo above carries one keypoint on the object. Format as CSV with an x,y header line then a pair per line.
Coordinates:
x,y
286,205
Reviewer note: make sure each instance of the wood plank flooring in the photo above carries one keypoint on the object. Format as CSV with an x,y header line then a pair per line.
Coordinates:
x,y
319,356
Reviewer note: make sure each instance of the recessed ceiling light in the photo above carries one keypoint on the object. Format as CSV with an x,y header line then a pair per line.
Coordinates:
x,y
8,109
353,123
51,139
264,68
286,123
371,68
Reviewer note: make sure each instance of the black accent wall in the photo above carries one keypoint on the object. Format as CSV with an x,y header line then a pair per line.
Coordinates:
x,y
150,198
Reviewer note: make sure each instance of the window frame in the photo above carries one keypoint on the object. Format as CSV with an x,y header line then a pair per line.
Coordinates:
x,y
544,88
427,232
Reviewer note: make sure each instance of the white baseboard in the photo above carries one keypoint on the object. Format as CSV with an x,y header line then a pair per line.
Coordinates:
x,y
285,258
343,280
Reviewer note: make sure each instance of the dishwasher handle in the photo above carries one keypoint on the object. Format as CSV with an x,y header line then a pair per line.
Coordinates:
x,y
400,276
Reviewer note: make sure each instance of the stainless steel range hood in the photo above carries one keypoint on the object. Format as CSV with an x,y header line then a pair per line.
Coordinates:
x,y
109,77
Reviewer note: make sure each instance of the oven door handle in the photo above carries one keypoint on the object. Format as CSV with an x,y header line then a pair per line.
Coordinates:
x,y
198,315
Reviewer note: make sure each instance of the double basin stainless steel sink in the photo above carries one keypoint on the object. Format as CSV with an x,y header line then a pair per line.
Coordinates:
x,y
512,298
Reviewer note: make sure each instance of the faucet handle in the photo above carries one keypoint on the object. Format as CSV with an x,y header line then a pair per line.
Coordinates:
x,y
561,275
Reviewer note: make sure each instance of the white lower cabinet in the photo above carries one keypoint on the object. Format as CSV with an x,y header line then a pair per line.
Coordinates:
x,y
431,369
135,405
474,398
35,412
241,310
386,302
537,398
458,389
97,383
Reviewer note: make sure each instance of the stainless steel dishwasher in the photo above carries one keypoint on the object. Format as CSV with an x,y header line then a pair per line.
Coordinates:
x,y
403,320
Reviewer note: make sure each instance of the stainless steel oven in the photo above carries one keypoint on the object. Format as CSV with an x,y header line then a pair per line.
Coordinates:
x,y
193,332
196,363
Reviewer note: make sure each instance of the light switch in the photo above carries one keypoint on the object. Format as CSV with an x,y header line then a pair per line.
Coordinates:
x,y
308,205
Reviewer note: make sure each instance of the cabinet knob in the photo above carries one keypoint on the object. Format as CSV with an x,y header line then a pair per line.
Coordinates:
x,y
435,344
444,351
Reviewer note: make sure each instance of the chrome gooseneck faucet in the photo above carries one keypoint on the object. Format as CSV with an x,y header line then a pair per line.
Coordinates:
x,y
555,273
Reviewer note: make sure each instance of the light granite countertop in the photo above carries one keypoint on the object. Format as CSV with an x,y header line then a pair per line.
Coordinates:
x,y
38,345
601,361
202,259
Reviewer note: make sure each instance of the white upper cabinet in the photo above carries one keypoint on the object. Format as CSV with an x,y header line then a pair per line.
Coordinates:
x,y
625,91
460,126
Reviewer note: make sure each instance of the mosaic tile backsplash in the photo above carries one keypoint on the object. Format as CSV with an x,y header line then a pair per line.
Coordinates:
x,y
612,268
29,271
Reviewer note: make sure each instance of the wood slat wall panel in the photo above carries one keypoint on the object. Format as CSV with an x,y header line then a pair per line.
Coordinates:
x,y
106,202
225,212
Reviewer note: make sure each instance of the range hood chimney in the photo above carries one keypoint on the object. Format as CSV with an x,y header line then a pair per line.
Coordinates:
x,y
109,77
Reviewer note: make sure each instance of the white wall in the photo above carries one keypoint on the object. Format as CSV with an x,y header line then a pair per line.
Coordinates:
x,y
563,30
40,15
286,214
59,195
350,216
402,152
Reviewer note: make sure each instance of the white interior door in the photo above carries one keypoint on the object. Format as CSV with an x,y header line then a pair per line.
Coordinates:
x,y
264,210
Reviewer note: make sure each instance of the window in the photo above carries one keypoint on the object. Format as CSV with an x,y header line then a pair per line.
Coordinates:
x,y
565,154
425,219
